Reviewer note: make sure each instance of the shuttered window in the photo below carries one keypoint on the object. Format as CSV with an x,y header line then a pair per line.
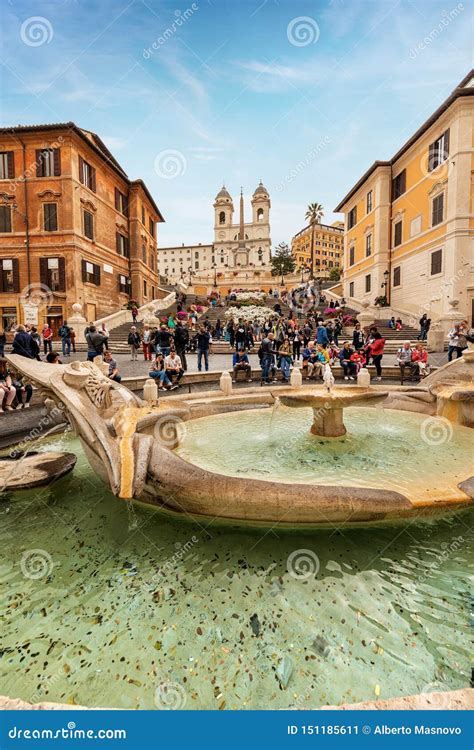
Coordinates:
x,y
437,212
88,225
399,185
369,201
351,289
87,174
397,233
438,151
122,245
123,284
352,218
396,276
436,262
53,273
152,227
351,255
90,272
368,245
7,165
9,275
50,213
121,202
48,162
368,283
5,219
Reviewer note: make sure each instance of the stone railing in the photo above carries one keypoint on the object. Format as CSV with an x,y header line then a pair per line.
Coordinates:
x,y
145,311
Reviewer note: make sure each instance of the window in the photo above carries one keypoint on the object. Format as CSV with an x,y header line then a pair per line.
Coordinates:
x,y
9,276
196,264
5,219
152,227
122,245
88,225
368,283
121,202
369,201
351,255
50,215
351,289
260,214
145,288
90,273
397,233
396,276
352,218
7,167
123,284
437,210
436,262
48,162
368,245
87,174
399,185
222,217
143,214
53,273
438,151
144,253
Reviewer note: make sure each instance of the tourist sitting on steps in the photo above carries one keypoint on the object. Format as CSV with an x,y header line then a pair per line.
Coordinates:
x,y
317,361
404,359
347,364
173,367
7,389
159,373
419,359
24,391
240,363
113,366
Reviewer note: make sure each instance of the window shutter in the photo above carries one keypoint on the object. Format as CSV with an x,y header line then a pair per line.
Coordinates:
x,y
92,185
96,275
44,272
119,285
62,274
57,161
11,165
81,169
1,276
446,144
84,271
117,199
117,242
127,247
403,182
39,163
126,205
16,275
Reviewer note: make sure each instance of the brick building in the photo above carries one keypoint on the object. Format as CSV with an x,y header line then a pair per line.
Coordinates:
x,y
73,227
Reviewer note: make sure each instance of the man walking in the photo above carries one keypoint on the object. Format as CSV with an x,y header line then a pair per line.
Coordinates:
x,y
65,335
134,341
181,340
267,349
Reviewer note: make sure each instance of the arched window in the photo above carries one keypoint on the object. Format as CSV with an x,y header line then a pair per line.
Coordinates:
x,y
260,253
222,217
260,214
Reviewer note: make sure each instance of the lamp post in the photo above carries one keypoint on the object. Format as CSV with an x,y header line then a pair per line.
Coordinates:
x,y
385,282
215,275
190,271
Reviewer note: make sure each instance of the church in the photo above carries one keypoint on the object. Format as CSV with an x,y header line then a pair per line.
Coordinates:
x,y
236,245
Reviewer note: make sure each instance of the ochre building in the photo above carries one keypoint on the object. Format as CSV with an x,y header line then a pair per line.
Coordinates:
x,y
409,221
328,248
73,227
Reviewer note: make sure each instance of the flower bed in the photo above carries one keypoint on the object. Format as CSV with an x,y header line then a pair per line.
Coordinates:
x,y
250,314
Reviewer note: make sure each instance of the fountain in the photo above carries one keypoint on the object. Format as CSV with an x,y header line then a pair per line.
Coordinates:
x,y
216,454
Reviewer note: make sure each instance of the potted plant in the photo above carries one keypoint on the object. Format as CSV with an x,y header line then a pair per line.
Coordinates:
x,y
381,301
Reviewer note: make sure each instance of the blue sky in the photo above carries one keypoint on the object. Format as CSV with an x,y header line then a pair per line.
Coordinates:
x,y
305,95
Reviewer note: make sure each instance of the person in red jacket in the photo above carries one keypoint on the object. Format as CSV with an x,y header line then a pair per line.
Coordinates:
x,y
419,358
376,352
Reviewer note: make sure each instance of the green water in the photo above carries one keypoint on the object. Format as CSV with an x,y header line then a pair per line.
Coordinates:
x,y
417,455
120,602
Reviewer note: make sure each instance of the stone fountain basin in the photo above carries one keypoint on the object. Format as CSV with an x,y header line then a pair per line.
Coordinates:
x,y
337,397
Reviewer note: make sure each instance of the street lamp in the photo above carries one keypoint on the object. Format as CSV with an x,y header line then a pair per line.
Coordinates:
x,y
385,283
190,271
215,275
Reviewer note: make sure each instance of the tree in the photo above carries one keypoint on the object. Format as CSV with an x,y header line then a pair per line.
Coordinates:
x,y
314,214
282,261
335,274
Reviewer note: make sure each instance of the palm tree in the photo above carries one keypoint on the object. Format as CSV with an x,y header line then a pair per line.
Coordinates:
x,y
313,215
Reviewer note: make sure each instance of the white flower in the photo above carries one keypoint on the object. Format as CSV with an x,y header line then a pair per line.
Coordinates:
x,y
251,314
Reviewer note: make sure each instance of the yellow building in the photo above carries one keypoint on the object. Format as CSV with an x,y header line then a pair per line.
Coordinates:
x,y
409,221
328,247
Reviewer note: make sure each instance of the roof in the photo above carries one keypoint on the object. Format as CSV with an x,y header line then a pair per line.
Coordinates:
x,y
337,230
260,189
93,141
464,88
223,193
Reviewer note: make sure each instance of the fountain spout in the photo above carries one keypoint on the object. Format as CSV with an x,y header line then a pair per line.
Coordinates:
x,y
328,377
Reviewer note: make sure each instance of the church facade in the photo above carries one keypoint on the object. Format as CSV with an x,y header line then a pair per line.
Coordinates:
x,y
237,244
